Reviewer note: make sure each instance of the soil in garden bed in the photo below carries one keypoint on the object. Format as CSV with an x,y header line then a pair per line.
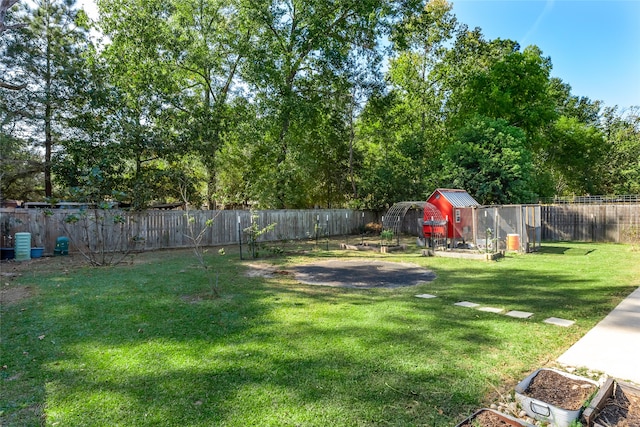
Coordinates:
x,y
621,410
486,419
558,390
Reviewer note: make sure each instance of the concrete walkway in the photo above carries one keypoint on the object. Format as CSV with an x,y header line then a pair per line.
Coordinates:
x,y
613,345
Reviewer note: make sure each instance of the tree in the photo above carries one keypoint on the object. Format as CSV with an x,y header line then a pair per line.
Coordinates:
x,y
571,153
5,6
46,53
401,134
569,105
179,61
20,166
498,80
390,169
491,160
621,154
577,155
93,147
302,56
512,86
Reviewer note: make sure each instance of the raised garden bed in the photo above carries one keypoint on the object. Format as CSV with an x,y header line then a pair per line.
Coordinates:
x,y
554,396
617,404
463,254
491,418
373,247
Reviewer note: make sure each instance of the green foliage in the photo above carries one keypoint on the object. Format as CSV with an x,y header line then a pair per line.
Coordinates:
x,y
255,231
397,163
491,160
386,236
283,104
578,153
304,56
401,133
622,145
47,56
196,230
513,87
20,165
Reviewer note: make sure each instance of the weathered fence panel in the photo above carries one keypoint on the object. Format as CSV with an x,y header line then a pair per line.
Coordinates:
x,y
590,222
156,229
170,229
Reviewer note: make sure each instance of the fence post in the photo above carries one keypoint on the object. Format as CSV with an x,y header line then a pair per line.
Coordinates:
x,y
240,236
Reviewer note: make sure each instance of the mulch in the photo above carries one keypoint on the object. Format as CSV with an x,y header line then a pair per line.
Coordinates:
x,y
487,419
622,409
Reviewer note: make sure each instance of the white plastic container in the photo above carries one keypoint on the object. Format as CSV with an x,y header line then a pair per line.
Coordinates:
x,y
543,411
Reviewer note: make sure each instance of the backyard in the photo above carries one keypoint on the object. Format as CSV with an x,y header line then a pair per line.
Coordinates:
x,y
148,343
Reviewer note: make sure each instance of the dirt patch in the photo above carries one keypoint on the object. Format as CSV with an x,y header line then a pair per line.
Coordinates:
x,y
10,295
488,419
261,270
556,389
364,274
47,264
622,409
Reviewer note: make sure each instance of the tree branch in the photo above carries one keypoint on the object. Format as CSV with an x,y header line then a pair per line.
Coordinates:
x,y
5,5
5,85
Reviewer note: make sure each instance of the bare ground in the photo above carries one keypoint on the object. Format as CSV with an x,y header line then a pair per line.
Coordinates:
x,y
362,273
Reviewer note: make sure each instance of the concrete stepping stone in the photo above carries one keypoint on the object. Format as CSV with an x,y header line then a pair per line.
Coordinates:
x,y
491,309
519,314
559,322
426,296
467,304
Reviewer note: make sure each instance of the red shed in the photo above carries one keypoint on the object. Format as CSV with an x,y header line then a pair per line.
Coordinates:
x,y
456,206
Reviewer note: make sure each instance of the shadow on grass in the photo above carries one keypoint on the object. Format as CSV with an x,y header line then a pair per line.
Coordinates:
x,y
574,249
124,346
263,372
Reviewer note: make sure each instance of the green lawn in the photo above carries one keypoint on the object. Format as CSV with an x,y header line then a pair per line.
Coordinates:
x,y
144,344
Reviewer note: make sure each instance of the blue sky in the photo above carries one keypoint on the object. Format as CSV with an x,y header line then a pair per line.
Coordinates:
x,y
594,45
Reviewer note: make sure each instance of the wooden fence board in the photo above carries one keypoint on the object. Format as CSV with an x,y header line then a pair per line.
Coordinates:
x,y
590,222
170,229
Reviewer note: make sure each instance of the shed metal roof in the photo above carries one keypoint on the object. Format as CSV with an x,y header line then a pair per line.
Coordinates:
x,y
458,198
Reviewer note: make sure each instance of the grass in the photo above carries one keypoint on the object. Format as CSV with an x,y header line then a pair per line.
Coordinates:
x,y
144,344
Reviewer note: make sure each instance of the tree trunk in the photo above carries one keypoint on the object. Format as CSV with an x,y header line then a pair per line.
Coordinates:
x,y
352,137
281,184
48,143
48,139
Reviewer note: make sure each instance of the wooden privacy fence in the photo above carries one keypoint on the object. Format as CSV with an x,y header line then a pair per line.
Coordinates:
x,y
153,229
617,223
